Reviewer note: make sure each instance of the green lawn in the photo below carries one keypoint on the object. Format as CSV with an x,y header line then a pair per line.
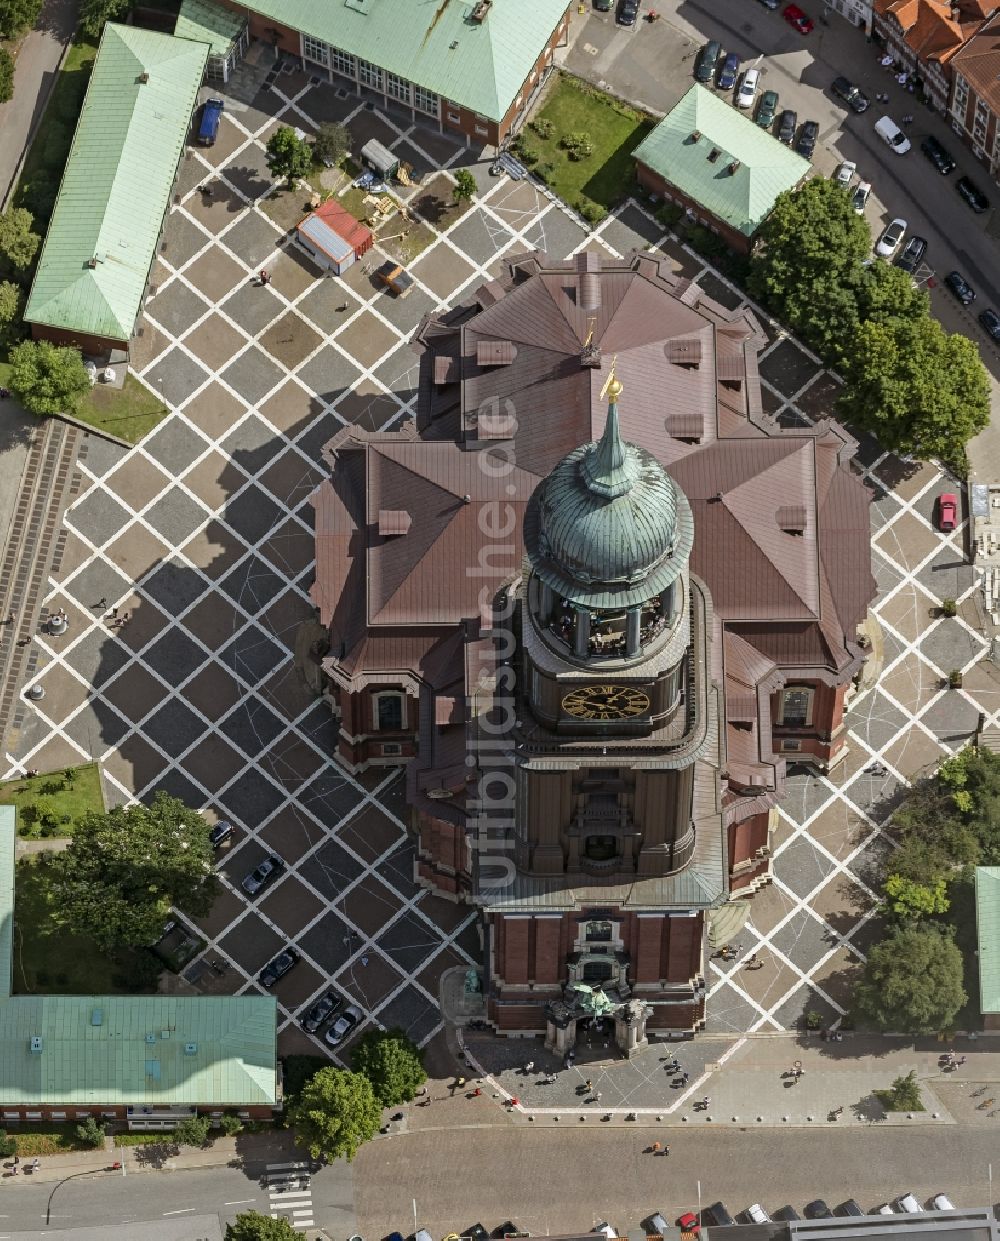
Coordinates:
x,y
68,799
604,177
129,412
46,158
46,1139
50,960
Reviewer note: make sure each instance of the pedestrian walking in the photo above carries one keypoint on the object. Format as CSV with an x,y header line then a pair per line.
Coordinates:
x,y
597,1096
529,1066
265,277
588,1084
11,617
460,1083
101,604
364,959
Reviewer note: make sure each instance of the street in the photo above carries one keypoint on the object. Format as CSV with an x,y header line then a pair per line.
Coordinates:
x,y
565,1182
110,1198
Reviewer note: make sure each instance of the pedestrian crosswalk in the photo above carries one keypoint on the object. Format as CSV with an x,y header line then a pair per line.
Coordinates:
x,y
289,1191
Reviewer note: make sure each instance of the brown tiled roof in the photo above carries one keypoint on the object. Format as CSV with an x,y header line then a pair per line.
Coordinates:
x,y
934,29
979,62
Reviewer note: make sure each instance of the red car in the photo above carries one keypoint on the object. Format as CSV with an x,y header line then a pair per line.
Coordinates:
x,y
795,17
947,511
688,1223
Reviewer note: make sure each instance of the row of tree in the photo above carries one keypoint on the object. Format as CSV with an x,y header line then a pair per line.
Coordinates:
x,y
918,389
946,825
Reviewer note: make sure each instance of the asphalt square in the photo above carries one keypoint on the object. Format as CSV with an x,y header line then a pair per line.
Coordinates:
x,y
291,832
175,516
331,796
366,338
176,307
175,446
215,342
252,375
326,941
176,376
369,407
135,692
413,1012
290,478
136,482
214,274
214,763
100,514
369,906
290,408
290,341
290,549
214,410
252,727
370,979
555,232
253,798
251,943
129,762
370,832
291,907
252,308
332,869
213,691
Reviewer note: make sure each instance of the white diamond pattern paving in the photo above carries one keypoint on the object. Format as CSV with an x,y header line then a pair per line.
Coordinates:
x,y
197,691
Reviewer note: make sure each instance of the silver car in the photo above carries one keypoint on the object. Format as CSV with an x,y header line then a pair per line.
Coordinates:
x,y
344,1024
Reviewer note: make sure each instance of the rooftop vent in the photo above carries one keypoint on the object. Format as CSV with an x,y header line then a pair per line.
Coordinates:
x,y
150,1038
695,135
143,78
713,155
480,10
791,518
453,44
733,167
590,290
190,1049
35,1046
393,521
92,263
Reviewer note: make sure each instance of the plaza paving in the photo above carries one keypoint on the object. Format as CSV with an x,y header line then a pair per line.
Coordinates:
x,y
202,535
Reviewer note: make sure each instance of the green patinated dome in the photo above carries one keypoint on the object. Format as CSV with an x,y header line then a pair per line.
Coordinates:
x,y
609,527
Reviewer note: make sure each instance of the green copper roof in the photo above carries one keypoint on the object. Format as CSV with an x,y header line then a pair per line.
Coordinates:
x,y
117,184
209,23
481,65
988,932
743,198
609,527
127,1049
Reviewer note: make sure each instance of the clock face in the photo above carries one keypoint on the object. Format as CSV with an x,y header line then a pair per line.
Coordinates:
x,y
605,702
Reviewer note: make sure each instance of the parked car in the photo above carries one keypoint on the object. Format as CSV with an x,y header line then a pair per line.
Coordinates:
x,y
960,287
884,1209
912,253
208,125
688,1222
941,1202
767,109
806,143
716,1215
748,88
861,196
220,833
787,126
656,1225
344,1024
848,1207
991,322
606,1230
628,12
907,1204
947,506
890,239
395,278
817,1209
973,195
707,61
756,1214
728,72
602,6
938,155
845,173
852,95
279,967
770,4
321,1012
796,18
787,1215
261,876
892,135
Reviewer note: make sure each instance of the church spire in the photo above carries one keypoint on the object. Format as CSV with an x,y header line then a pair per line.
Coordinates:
x,y
607,467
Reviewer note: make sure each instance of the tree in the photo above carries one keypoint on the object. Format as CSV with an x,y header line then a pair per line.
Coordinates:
x,y
335,1114
464,187
918,389
94,13
231,1125
332,143
8,1145
903,1094
912,981
908,899
49,379
192,1131
18,241
125,869
392,1064
6,75
808,262
11,311
91,1133
17,16
288,155
885,292
252,1226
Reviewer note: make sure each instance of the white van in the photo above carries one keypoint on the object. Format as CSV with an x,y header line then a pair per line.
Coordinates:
x,y
908,1205
892,135
757,1215
941,1202
748,88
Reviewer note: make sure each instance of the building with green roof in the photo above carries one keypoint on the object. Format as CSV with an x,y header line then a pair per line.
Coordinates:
x,y
147,1059
711,159
472,66
988,936
115,191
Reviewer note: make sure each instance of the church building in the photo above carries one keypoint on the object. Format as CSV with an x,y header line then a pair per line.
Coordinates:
x,y
594,599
